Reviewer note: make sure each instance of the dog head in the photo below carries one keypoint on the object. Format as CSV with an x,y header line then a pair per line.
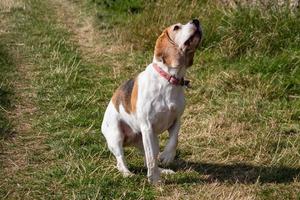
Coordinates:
x,y
176,46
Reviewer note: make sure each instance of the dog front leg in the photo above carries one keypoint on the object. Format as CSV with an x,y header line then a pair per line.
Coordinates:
x,y
151,148
168,155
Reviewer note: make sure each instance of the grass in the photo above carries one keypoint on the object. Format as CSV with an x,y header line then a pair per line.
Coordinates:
x,y
5,91
240,131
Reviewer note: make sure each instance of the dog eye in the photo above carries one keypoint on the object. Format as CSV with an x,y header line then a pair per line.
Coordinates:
x,y
176,27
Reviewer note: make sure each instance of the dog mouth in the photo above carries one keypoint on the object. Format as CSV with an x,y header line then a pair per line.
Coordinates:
x,y
193,38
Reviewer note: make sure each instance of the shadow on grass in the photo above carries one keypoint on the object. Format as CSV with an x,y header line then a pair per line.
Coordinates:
x,y
226,173
6,68
235,173
5,125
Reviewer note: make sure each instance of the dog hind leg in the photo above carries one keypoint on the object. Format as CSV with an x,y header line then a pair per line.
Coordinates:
x,y
114,138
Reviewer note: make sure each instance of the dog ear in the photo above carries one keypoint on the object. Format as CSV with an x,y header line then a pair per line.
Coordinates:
x,y
160,47
165,51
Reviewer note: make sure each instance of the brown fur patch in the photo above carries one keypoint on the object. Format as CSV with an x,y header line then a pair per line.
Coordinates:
x,y
126,95
134,96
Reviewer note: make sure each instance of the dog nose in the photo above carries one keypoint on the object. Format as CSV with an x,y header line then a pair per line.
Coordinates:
x,y
196,22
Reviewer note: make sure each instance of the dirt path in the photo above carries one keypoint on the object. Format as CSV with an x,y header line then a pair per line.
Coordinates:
x,y
81,26
89,39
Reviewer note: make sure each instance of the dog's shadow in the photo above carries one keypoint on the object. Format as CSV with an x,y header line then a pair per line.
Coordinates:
x,y
229,173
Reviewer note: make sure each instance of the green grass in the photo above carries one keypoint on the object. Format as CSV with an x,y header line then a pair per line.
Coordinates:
x,y
240,131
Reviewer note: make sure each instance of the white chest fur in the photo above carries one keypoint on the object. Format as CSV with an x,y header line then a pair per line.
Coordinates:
x,y
159,101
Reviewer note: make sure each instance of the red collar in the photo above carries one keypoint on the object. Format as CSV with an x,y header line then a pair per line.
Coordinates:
x,y
170,78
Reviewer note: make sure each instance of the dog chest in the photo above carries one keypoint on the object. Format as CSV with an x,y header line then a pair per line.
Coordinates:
x,y
164,113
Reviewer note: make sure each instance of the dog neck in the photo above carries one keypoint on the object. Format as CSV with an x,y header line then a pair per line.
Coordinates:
x,y
178,72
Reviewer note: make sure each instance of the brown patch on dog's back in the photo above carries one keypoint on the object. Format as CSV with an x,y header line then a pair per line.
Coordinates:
x,y
134,95
126,95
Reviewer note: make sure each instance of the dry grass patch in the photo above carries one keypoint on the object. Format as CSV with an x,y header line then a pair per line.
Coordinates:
x,y
8,5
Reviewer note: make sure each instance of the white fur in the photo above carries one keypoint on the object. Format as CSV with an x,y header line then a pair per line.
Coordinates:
x,y
185,32
159,108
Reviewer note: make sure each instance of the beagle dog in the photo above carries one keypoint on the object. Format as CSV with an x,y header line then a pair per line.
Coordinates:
x,y
153,102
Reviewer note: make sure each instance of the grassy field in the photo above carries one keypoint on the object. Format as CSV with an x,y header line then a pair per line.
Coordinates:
x,y
61,60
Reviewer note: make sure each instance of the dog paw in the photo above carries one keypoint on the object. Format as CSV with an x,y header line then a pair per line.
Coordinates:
x,y
166,171
154,177
127,174
154,181
166,157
